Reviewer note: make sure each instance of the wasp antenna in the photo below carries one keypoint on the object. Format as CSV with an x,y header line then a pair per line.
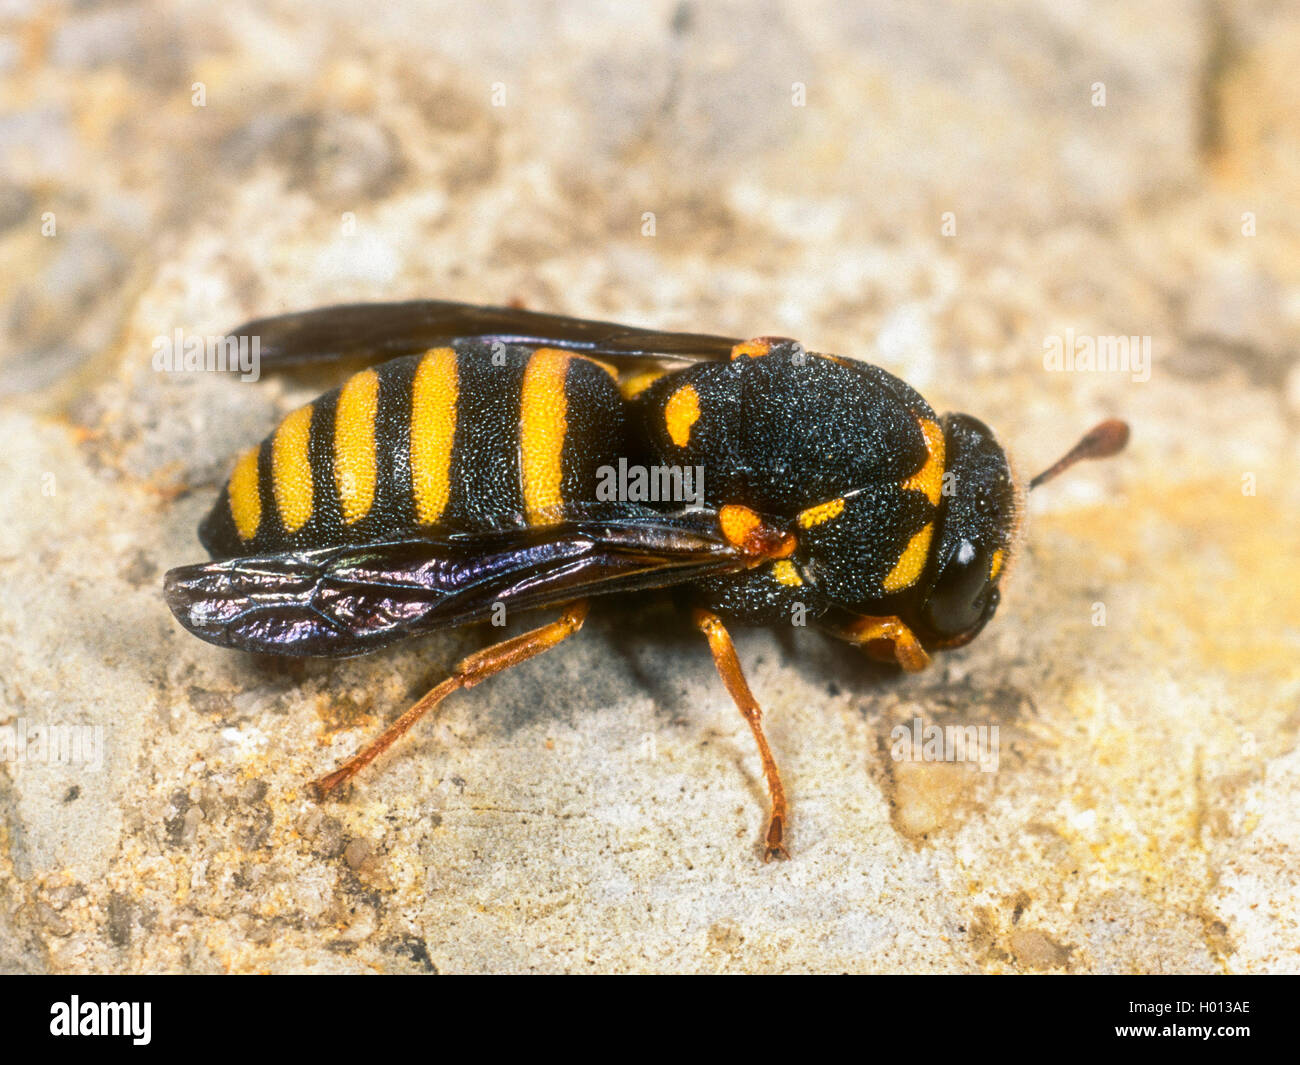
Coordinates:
x,y
1100,442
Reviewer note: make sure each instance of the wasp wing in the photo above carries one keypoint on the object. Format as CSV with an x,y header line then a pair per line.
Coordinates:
x,y
374,332
343,601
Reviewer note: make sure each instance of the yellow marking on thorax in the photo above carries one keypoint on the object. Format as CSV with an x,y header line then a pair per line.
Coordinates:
x,y
354,445
752,349
638,383
785,573
737,522
291,470
995,567
434,396
929,478
245,495
820,513
680,413
543,423
911,563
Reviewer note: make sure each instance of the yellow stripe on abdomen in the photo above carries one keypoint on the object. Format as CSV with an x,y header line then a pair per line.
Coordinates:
x,y
543,423
245,495
354,445
638,383
291,470
434,396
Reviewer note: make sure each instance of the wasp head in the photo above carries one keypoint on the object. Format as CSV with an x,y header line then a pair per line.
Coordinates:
x,y
979,512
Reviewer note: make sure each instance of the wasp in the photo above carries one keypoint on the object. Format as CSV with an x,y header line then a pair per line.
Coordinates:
x,y
466,468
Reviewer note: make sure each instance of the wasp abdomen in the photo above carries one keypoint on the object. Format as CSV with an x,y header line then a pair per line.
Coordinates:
x,y
473,437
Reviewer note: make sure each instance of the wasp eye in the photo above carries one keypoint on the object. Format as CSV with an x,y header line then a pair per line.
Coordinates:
x,y
963,593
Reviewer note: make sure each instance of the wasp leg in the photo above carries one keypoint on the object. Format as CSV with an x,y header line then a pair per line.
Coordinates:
x,y
907,648
724,657
477,667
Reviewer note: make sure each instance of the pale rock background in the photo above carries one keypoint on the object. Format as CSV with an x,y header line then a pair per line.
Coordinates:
x,y
599,809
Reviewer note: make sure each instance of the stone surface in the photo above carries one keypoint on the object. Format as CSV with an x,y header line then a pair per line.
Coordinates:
x,y
600,809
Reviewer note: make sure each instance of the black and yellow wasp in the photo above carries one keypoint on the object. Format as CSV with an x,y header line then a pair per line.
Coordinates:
x,y
462,473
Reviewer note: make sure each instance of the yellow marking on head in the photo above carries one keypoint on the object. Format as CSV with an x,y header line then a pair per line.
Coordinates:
x,y
680,413
638,383
737,522
753,349
434,395
291,470
245,495
820,513
543,423
785,573
995,567
907,570
929,478
354,445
